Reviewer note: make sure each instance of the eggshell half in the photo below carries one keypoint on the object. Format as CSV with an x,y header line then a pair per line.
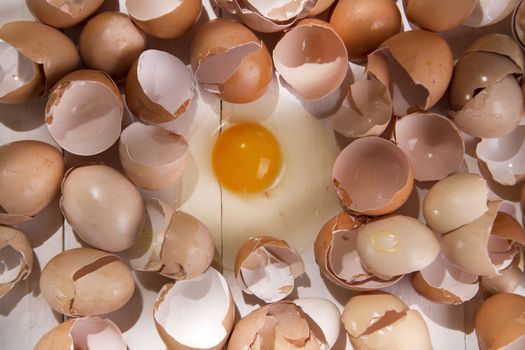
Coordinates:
x,y
438,16
84,112
159,87
500,44
508,280
86,282
165,19
325,314
152,157
16,258
489,12
63,13
372,176
103,207
312,58
186,310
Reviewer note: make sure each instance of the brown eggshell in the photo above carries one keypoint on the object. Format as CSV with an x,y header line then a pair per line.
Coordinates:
x,y
159,87
508,280
96,123
86,282
164,19
363,25
93,197
433,144
14,244
181,307
62,14
438,16
500,44
518,24
110,42
372,176
30,177
522,201
499,322
278,11
45,46
321,6
245,61
152,157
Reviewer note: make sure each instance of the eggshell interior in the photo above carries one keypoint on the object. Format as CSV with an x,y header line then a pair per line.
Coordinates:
x,y
487,12
96,334
278,10
16,258
325,314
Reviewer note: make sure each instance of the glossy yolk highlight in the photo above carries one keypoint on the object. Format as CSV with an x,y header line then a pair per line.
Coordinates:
x,y
246,158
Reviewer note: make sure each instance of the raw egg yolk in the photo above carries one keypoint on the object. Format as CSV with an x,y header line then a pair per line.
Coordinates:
x,y
246,158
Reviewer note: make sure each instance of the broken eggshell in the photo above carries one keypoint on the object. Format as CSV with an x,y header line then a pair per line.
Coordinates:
x,y
98,108
173,243
165,19
438,16
152,157
312,58
267,267
499,44
508,280
382,321
325,314
518,24
103,207
186,310
92,333
86,282
159,87
229,60
16,258
62,13
433,144
372,176
487,12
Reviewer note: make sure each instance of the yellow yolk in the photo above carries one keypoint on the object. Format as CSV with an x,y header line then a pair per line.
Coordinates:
x,y
246,158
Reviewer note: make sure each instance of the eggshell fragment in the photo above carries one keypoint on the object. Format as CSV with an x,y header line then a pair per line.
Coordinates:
x,y
159,87
508,280
445,203
63,13
165,19
84,112
500,44
186,310
152,157
489,12
281,325
267,267
372,176
30,177
433,144
325,314
254,20
499,322
438,16
92,333
103,207
312,58
278,11
382,321
110,42
44,45
86,282
366,111
245,66
16,258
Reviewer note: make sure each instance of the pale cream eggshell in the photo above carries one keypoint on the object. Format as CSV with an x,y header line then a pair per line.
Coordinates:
x,y
489,12
16,258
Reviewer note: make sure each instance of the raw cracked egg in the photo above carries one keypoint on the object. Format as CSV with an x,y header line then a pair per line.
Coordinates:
x,y
63,13
16,258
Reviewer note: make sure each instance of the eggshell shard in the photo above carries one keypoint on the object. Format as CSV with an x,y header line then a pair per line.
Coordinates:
x,y
84,112
30,177
45,46
312,58
500,44
110,42
245,64
159,87
281,325
278,11
504,157
63,13
86,282
366,111
443,283
325,314
433,144
92,333
487,12
185,310
93,197
254,20
420,64
16,258
381,321
372,176
508,280
438,16
267,267
445,203
498,322
152,157
363,25
165,19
